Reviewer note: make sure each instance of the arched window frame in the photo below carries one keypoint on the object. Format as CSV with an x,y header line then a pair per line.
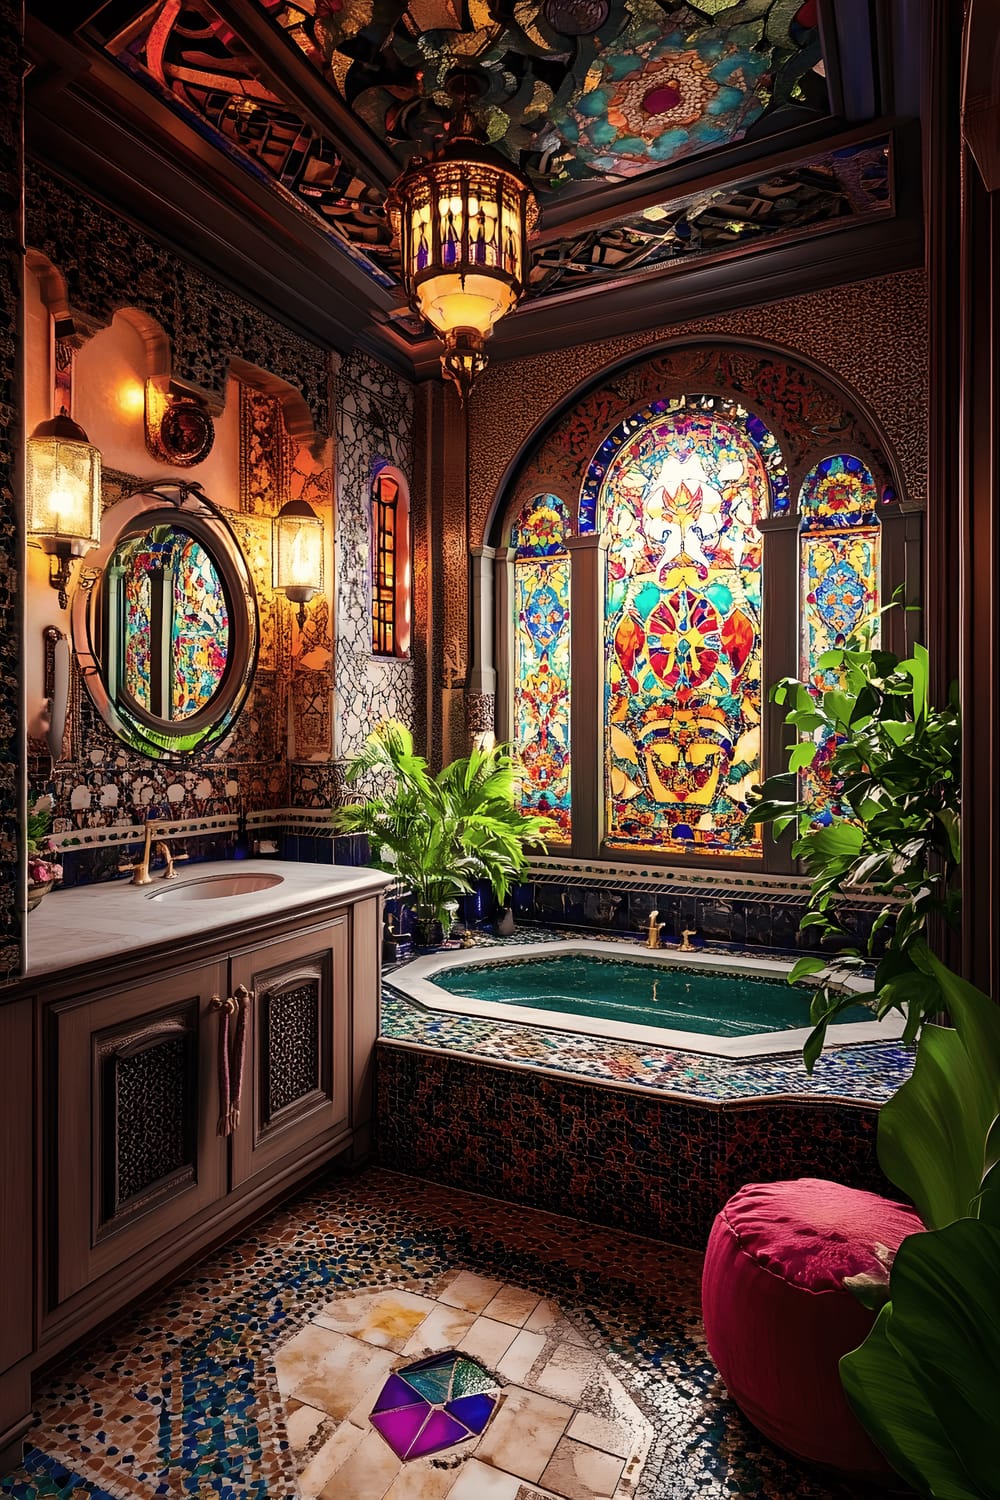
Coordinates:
x,y
389,561
901,567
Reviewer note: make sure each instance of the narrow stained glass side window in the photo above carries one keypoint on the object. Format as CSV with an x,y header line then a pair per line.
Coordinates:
x,y
542,658
385,494
680,500
839,591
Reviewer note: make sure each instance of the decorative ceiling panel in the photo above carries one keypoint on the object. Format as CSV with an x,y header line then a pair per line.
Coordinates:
x,y
573,90
577,91
838,187
196,63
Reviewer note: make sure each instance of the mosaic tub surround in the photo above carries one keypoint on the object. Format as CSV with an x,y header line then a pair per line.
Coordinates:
x,y
221,1385
586,989
621,1132
624,1157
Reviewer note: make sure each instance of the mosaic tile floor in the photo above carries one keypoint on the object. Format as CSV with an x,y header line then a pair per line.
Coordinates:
x,y
870,1072
253,1376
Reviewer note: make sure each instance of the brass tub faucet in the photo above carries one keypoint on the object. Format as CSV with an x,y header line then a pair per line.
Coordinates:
x,y
654,930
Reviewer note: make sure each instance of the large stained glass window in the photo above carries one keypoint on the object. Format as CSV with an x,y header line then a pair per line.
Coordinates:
x,y
541,658
839,589
679,500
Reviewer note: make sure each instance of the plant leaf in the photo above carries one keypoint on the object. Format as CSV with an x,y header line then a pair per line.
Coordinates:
x,y
932,1133
926,1381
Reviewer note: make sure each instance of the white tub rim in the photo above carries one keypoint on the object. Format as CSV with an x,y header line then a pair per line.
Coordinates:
x,y
415,980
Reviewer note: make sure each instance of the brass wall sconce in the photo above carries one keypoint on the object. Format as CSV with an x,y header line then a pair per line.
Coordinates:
x,y
62,495
298,554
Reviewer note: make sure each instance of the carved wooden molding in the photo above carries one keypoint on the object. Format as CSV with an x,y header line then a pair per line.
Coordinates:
x,y
981,88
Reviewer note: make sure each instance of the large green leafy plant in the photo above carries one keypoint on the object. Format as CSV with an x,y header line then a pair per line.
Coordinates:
x,y
439,835
926,1381
895,768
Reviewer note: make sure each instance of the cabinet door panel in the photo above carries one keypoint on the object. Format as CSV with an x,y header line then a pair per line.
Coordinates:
x,y
295,1093
135,1130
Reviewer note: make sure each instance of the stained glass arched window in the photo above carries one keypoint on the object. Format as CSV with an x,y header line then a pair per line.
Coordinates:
x,y
679,500
541,658
839,586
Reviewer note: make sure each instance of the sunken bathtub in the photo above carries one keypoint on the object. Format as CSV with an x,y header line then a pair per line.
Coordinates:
x,y
715,1003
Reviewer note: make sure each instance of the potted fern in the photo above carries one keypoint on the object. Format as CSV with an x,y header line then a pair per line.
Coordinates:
x,y
439,835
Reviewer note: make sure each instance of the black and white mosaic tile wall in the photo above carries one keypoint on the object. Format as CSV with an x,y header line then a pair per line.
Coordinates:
x,y
11,198
374,427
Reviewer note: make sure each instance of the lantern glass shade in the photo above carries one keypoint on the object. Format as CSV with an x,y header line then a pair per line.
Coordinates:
x,y
298,551
63,488
462,220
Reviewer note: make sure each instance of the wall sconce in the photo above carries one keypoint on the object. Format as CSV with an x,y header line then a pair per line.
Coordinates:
x,y
298,554
63,495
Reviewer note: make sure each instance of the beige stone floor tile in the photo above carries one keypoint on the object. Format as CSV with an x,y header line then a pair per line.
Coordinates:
x,y
479,1481
387,1319
443,1328
520,1357
301,1423
420,1480
366,1473
325,1462
488,1340
522,1436
329,1370
545,1314
512,1305
579,1472
567,1373
612,1435
469,1291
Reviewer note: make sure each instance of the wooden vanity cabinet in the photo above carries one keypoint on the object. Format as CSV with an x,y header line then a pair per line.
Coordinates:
x,y
296,1095
136,1176
133,1119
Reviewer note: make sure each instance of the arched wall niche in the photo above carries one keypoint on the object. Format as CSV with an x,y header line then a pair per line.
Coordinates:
x,y
76,325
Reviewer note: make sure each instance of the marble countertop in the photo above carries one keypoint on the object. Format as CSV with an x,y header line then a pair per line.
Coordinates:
x,y
117,920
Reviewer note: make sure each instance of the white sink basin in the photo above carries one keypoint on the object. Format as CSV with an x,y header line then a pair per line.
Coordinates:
x,y
212,887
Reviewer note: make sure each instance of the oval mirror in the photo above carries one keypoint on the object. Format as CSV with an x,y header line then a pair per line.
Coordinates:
x,y
166,635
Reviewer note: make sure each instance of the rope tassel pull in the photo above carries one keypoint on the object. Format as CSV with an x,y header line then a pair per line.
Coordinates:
x,y
233,1011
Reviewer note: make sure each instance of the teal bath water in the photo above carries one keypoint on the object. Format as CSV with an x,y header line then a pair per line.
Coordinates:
x,y
677,997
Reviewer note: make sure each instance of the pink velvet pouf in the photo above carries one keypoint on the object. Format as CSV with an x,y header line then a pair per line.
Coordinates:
x,y
778,1317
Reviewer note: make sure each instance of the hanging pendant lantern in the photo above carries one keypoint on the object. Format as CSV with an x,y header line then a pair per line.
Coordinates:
x,y
462,218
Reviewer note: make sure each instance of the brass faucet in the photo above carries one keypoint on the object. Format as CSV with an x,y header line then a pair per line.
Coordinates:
x,y
654,929
686,945
140,872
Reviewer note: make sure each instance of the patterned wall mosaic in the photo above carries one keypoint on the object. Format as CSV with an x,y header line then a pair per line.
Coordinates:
x,y
872,335
11,73
374,423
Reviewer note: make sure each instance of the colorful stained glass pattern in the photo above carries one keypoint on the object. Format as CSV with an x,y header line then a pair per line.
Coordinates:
x,y
542,659
840,567
434,1404
753,429
682,632
839,491
199,630
176,623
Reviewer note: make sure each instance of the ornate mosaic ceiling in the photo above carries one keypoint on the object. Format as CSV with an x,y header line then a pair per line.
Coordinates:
x,y
573,89
579,92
